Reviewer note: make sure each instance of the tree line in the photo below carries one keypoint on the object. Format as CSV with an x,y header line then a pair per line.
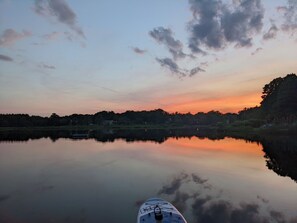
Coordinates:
x,y
279,105
110,118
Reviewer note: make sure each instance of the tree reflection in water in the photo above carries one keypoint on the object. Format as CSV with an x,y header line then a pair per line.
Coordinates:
x,y
280,152
281,156
205,203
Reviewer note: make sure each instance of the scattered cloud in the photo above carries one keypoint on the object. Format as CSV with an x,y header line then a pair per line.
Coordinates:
x,y
109,89
180,200
197,179
138,50
171,65
175,184
5,58
195,70
68,36
257,51
215,25
271,33
212,208
175,69
264,200
165,36
51,36
278,216
61,11
290,15
10,36
46,66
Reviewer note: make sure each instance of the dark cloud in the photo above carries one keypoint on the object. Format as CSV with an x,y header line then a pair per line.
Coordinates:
x,y
271,33
138,51
195,70
180,200
171,65
5,58
10,36
61,11
165,36
241,24
264,200
175,69
290,15
209,210
278,216
215,24
197,179
247,213
175,184
205,28
257,51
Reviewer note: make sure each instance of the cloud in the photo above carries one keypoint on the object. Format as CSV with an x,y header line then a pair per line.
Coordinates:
x,y
175,69
216,25
205,27
257,51
290,15
10,36
46,66
197,179
5,58
195,70
175,184
165,36
180,200
264,200
271,33
61,11
138,51
171,65
51,36
278,216
207,208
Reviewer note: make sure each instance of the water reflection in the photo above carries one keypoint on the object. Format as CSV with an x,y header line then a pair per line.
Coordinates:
x,y
109,135
210,177
280,152
281,156
210,207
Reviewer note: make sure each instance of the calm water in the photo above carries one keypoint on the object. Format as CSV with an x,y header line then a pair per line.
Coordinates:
x,y
226,180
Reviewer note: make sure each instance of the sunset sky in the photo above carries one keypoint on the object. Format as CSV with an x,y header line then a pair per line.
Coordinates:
x,y
194,55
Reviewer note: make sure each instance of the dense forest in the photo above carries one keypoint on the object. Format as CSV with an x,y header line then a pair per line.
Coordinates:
x,y
278,106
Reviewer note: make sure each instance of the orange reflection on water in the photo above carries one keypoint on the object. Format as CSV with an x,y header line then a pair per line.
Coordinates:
x,y
228,145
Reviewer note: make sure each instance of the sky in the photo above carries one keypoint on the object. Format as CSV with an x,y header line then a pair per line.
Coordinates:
x,y
71,56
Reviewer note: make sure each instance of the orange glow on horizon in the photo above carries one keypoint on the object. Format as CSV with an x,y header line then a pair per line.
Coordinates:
x,y
222,104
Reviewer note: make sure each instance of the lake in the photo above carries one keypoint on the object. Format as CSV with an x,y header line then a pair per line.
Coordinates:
x,y
105,179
